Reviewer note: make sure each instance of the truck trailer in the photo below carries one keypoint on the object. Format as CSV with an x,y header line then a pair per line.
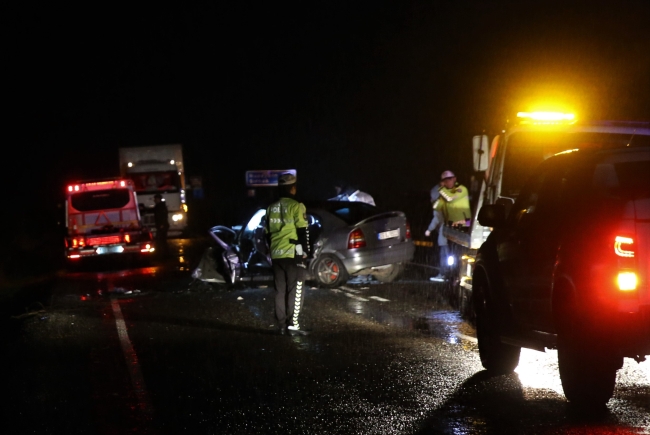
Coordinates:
x,y
504,163
157,169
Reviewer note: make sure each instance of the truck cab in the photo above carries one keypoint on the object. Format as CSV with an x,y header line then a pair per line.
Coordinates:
x,y
157,169
102,218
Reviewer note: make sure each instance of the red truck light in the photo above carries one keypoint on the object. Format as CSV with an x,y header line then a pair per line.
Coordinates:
x,y
105,240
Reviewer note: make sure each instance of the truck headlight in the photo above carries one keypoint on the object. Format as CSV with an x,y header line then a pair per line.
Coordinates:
x,y
177,217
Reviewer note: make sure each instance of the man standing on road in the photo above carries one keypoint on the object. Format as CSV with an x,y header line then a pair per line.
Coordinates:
x,y
161,219
288,237
453,205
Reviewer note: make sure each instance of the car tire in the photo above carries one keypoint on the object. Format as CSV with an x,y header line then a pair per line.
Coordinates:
x,y
587,367
389,274
496,357
329,271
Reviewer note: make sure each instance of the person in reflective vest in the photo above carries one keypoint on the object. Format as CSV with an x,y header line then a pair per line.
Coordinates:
x,y
454,200
452,208
287,234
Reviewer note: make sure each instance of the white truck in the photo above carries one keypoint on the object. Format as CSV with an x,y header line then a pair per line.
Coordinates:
x,y
503,165
158,169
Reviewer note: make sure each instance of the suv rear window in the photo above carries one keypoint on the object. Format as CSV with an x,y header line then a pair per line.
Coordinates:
x,y
100,199
527,149
627,180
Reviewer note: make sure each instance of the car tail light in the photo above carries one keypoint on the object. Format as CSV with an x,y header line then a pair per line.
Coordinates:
x,y
78,242
356,239
127,238
408,230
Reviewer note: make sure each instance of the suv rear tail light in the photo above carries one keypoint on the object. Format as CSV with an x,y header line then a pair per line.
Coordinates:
x,y
623,246
627,281
356,239
408,230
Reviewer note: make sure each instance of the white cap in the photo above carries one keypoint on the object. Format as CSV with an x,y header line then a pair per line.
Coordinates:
x,y
286,179
447,174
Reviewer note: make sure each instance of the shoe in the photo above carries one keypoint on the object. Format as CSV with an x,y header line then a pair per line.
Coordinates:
x,y
295,330
438,278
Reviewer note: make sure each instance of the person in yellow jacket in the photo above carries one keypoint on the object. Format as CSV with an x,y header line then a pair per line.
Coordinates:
x,y
287,234
452,207
454,200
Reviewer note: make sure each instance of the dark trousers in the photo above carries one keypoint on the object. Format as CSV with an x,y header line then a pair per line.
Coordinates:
x,y
289,291
161,241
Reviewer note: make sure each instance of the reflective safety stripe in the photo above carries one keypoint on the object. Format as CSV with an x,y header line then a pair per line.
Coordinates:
x,y
296,309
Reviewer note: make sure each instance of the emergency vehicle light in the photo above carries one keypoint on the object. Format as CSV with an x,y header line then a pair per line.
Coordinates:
x,y
546,117
618,246
627,281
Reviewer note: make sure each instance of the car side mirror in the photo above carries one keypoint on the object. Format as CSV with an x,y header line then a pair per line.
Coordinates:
x,y
492,215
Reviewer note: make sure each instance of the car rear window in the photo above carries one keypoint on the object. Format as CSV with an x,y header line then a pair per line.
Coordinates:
x,y
100,199
349,212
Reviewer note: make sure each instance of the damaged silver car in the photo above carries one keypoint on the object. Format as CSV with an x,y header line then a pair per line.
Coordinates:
x,y
350,239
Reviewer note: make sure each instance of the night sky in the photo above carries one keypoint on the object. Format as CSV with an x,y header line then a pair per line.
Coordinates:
x,y
386,95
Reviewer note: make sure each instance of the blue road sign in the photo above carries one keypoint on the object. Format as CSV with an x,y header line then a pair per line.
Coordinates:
x,y
266,177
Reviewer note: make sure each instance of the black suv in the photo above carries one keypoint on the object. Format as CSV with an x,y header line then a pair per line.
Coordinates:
x,y
566,268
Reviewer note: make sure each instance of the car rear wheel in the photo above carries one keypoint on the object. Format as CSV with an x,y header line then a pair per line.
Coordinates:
x,y
330,271
390,273
496,357
587,367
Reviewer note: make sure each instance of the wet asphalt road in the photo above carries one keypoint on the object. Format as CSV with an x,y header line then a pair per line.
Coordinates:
x,y
147,350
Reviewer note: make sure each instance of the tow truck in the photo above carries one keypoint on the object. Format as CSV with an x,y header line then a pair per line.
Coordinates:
x,y
102,218
503,164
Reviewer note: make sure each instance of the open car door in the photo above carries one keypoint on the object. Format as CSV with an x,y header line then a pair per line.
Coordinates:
x,y
227,238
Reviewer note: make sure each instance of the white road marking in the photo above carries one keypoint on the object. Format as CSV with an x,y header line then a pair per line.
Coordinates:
x,y
352,290
358,298
137,380
377,298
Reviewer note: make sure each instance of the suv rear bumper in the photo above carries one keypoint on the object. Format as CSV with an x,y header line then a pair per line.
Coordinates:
x,y
632,332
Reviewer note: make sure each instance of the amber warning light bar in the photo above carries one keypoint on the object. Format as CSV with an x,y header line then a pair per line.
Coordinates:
x,y
546,118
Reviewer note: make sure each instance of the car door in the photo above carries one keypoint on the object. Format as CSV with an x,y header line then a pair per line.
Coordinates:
x,y
528,250
228,263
